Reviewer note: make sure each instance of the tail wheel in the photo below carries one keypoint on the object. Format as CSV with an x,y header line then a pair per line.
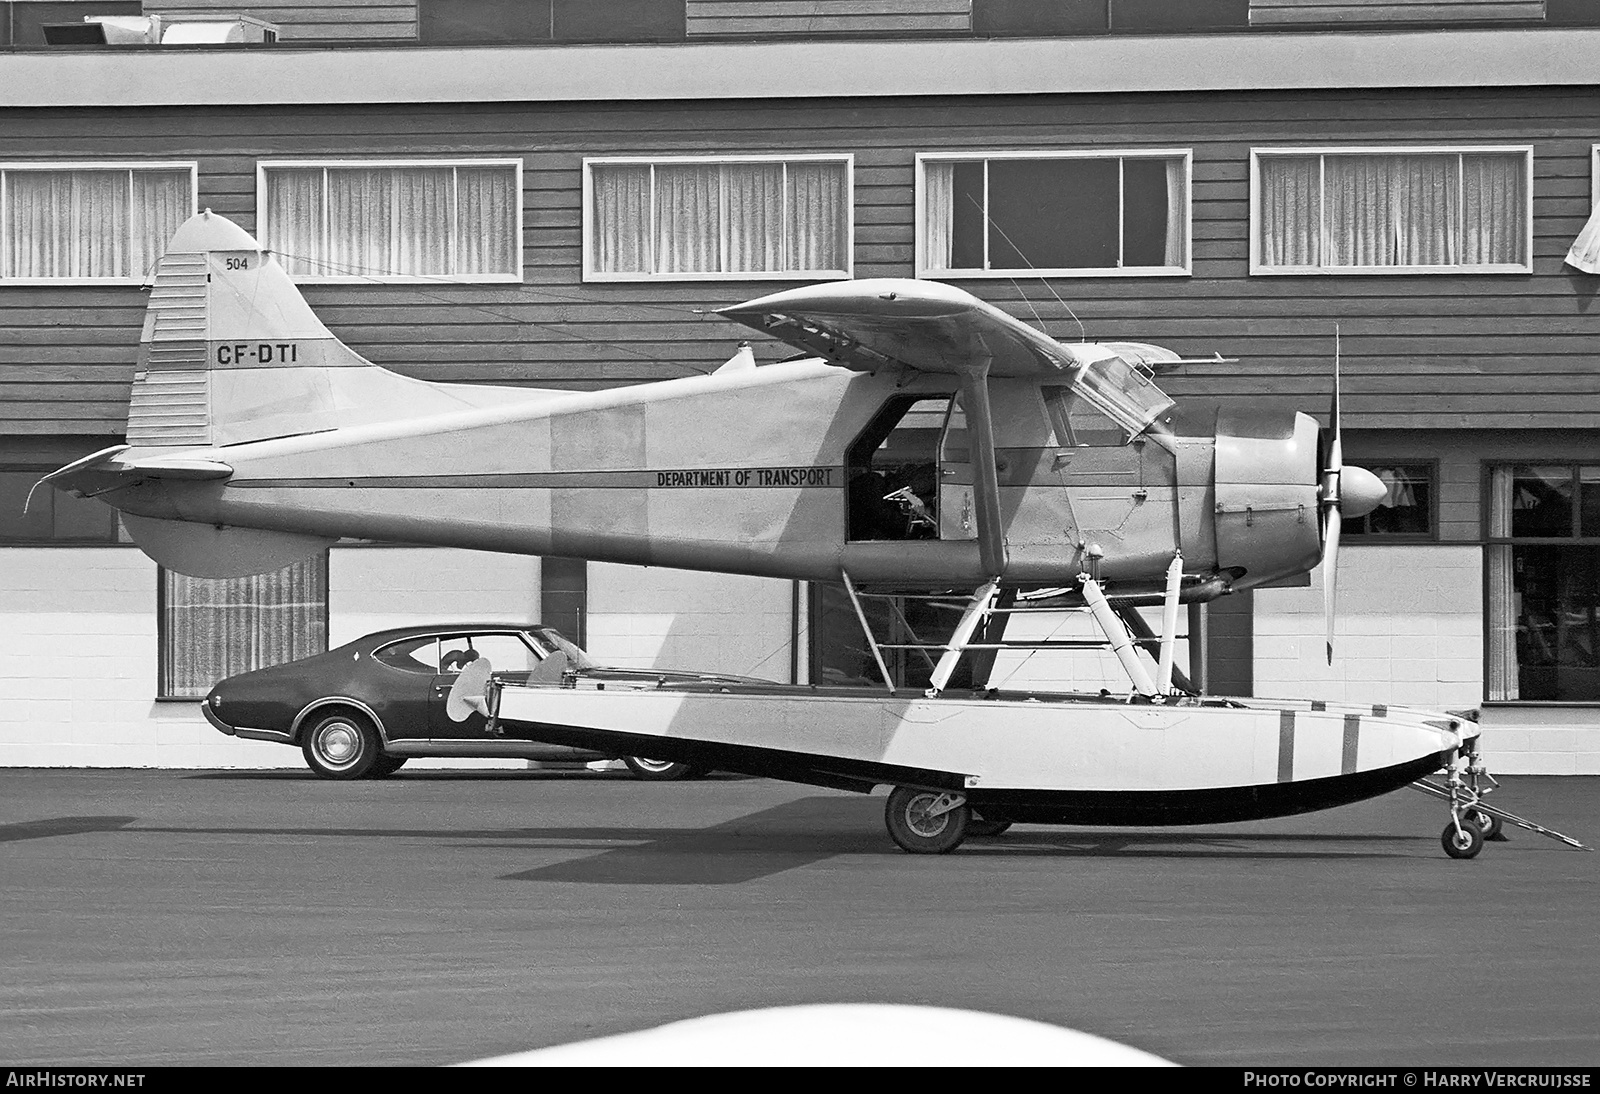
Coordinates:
x,y
658,770
924,822
1463,841
342,745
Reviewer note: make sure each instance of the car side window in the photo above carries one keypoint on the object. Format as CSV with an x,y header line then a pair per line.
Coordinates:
x,y
506,652
412,655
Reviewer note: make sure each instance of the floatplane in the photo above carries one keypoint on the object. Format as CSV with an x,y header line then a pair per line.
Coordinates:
x,y
923,442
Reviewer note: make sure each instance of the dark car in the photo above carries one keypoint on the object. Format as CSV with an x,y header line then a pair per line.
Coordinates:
x,y
363,709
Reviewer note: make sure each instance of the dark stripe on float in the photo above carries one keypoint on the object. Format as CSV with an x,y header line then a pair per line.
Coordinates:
x,y
1318,704
1285,746
1380,711
1352,740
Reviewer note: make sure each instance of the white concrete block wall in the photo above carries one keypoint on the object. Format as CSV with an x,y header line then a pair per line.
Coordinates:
x,y
78,648
647,617
1409,630
78,668
371,588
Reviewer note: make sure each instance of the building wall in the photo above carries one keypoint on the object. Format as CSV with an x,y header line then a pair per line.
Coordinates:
x,y
78,648
1408,630
305,20
1419,351
653,618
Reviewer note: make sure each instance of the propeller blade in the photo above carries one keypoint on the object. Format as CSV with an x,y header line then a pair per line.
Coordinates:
x,y
468,693
1330,571
1332,517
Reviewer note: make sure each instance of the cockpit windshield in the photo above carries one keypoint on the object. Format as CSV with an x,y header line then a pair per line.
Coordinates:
x,y
1121,392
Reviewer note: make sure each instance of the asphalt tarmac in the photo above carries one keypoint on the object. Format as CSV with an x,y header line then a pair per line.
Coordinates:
x,y
169,918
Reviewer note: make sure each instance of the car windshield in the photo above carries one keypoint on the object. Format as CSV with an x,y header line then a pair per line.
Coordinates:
x,y
558,641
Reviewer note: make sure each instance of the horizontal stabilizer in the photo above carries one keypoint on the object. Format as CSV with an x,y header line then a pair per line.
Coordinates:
x,y
207,550
118,466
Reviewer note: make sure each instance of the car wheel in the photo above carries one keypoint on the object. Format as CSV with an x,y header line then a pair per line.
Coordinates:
x,y
386,765
657,770
342,745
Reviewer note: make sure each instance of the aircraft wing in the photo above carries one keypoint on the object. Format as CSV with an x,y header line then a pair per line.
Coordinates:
x,y
881,323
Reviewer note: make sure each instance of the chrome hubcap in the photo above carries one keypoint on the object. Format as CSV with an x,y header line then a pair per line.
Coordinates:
x,y
653,765
338,744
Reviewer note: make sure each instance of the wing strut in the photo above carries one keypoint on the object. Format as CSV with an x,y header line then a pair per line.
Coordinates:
x,y
866,629
985,476
976,612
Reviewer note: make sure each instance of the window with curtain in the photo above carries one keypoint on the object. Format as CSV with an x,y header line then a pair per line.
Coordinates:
x,y
434,220
90,222
705,219
1063,214
1543,571
1392,211
214,628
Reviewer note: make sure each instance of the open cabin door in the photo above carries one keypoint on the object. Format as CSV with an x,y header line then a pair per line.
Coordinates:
x,y
895,472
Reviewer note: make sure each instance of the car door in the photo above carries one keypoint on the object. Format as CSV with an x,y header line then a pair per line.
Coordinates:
x,y
507,651
403,673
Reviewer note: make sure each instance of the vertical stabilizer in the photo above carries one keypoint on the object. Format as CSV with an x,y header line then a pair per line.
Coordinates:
x,y
231,352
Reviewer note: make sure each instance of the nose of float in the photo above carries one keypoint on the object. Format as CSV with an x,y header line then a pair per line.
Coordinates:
x,y
1360,492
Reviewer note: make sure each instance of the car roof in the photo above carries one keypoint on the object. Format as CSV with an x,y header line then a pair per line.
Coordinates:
x,y
395,634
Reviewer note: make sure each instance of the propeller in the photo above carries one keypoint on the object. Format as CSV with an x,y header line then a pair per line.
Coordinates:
x,y
1345,492
468,693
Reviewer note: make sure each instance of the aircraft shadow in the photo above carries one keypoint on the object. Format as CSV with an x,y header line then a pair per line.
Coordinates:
x,y
61,826
813,829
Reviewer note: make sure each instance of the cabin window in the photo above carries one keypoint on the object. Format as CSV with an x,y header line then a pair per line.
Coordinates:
x,y
393,222
1543,563
1061,214
1366,210
704,219
90,223
1078,423
215,628
1407,509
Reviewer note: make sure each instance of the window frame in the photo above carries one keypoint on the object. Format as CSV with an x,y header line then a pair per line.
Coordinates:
x,y
590,274
1185,269
9,166
1488,542
1257,269
1594,176
515,163
1386,539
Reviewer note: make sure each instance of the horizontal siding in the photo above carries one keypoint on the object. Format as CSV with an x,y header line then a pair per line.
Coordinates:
x,y
306,20
706,18
1355,12
1512,351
